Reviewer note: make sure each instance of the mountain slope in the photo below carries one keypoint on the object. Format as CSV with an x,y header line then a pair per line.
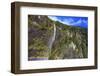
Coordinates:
x,y
48,39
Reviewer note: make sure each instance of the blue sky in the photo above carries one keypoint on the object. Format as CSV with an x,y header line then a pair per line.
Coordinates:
x,y
71,20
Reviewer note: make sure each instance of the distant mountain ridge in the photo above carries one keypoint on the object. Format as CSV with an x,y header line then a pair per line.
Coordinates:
x,y
71,20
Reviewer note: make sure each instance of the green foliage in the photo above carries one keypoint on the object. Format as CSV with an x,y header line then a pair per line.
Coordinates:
x,y
38,44
65,36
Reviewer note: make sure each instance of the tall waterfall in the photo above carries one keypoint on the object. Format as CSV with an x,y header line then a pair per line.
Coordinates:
x,y
52,39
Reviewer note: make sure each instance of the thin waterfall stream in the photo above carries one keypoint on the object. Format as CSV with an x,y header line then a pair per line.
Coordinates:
x,y
52,39
50,44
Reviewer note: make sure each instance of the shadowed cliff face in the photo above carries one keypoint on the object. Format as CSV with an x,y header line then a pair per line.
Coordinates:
x,y
48,39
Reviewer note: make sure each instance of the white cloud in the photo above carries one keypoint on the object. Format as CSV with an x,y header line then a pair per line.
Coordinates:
x,y
64,21
53,18
69,21
85,21
77,22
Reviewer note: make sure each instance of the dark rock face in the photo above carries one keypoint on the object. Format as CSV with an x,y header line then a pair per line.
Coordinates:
x,y
48,40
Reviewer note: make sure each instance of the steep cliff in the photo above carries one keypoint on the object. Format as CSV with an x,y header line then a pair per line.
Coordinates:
x,y
49,39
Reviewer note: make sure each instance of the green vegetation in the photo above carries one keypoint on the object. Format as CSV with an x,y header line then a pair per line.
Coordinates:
x,y
70,42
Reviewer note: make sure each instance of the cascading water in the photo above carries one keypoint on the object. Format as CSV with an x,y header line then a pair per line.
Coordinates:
x,y
50,43
52,39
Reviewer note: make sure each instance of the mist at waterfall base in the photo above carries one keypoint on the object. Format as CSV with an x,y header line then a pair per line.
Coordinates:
x,y
71,20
